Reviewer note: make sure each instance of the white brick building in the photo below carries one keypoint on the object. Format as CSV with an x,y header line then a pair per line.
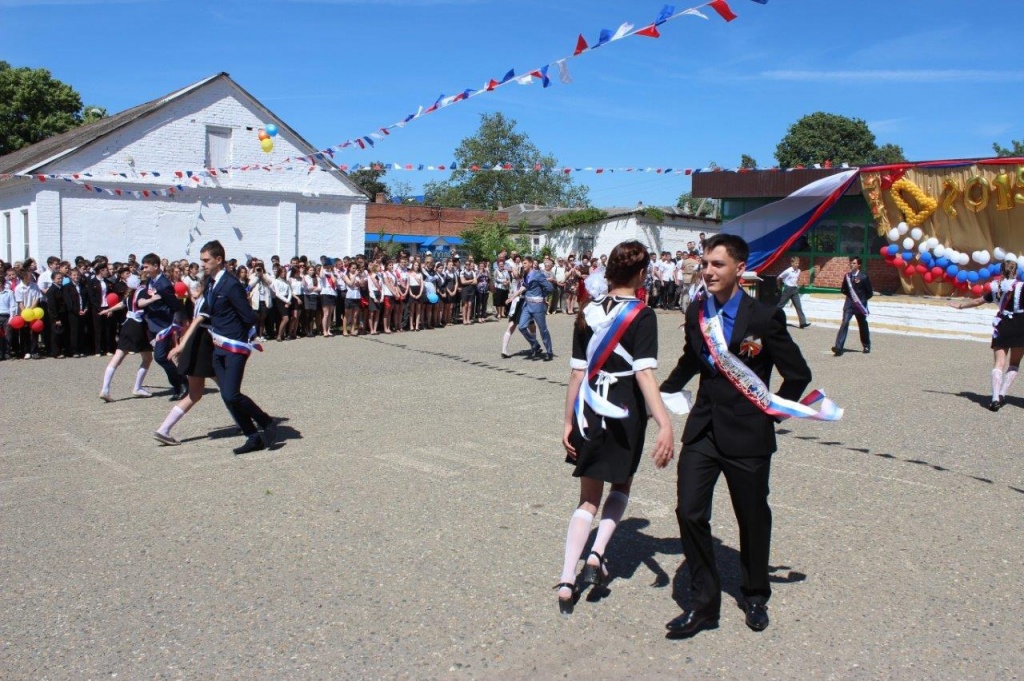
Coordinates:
x,y
210,124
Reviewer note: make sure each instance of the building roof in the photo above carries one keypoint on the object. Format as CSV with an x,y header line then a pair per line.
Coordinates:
x,y
34,158
760,184
538,216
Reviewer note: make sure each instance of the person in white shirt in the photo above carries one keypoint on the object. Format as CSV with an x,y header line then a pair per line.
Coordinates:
x,y
27,295
282,290
790,281
8,309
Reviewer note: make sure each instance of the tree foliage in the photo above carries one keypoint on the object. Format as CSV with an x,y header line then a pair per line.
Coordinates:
x,y
748,162
1016,149
820,137
487,238
371,179
34,105
699,207
498,141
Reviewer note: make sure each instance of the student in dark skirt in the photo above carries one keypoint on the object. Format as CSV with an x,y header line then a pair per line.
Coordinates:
x,y
606,448
194,357
133,338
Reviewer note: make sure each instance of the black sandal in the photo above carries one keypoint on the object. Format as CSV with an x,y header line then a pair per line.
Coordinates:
x,y
565,605
595,575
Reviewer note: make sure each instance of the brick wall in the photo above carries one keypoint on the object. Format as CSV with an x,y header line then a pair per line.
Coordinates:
x,y
829,272
396,219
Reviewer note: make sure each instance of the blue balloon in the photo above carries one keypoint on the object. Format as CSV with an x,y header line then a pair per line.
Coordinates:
x,y
952,270
984,273
942,262
893,249
961,275
432,298
271,130
908,256
973,277
927,259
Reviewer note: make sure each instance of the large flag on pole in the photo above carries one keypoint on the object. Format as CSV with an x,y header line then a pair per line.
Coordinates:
x,y
772,229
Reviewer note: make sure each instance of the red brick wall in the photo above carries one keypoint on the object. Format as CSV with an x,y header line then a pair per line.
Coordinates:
x,y
396,219
829,272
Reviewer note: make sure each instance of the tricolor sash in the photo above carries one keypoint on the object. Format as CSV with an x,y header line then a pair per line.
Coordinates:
x,y
861,306
750,385
161,335
234,346
608,330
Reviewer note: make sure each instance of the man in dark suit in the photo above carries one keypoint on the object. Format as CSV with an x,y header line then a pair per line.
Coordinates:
x,y
76,306
857,288
727,433
159,318
231,319
103,328
57,315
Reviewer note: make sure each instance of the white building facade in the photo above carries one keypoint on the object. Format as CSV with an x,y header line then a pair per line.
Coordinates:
x,y
278,208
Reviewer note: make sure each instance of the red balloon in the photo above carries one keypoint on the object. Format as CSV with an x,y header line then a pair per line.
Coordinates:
x,y
898,261
937,271
17,322
928,277
112,299
883,251
962,285
37,326
910,271
262,135
978,289
180,289
921,269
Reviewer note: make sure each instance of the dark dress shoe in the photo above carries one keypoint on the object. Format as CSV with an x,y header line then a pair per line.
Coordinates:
x,y
804,326
838,352
268,433
757,616
867,351
689,623
995,406
179,394
252,444
549,356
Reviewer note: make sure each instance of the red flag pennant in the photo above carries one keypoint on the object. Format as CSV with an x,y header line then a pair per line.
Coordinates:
x,y
118,192
143,173
649,31
581,45
723,9
41,178
688,171
178,173
145,192
491,84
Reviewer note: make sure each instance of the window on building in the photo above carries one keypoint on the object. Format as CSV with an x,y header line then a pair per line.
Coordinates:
x,y
7,231
24,224
218,146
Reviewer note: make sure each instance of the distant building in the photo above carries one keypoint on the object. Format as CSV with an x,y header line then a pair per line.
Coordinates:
x,y
670,231
207,126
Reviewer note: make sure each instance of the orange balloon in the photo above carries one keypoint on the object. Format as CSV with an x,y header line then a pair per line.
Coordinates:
x,y
262,134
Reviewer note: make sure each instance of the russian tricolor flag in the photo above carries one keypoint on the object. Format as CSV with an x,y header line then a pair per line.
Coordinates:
x,y
772,229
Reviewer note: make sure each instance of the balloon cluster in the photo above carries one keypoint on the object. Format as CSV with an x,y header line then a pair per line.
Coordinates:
x,y
936,263
33,316
266,136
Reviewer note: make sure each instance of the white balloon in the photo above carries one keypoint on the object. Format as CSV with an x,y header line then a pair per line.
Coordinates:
x,y
916,234
975,257
902,228
932,243
1011,256
894,235
999,253
964,259
938,251
908,243
984,257
922,247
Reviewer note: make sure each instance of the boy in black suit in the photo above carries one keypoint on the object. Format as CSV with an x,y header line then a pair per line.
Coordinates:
x,y
231,319
160,319
728,433
857,288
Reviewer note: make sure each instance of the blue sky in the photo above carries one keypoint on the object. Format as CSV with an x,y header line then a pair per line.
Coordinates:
x,y
940,78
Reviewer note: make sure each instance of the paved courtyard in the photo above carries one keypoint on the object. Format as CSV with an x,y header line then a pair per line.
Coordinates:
x,y
412,524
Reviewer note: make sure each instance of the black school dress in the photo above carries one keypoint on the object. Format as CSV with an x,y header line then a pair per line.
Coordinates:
x,y
1009,332
613,453
133,336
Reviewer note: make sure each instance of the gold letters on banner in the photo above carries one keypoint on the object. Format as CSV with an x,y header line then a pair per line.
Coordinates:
x,y
926,205
976,182
1004,194
1019,185
950,193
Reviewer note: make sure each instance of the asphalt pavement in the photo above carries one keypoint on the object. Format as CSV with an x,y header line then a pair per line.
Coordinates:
x,y
411,523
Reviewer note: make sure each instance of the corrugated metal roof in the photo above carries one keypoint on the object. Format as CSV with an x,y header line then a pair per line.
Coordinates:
x,y
756,184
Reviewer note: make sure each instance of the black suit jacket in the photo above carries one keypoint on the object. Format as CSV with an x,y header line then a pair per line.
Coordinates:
x,y
741,429
861,284
228,307
55,303
95,292
72,302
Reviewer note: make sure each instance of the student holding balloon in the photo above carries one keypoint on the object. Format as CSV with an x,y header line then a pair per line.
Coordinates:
x,y
28,296
132,338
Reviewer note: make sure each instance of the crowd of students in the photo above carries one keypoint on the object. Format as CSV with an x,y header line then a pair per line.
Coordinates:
x,y
301,297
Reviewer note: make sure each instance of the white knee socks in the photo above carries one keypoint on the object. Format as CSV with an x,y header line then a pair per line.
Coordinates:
x,y
108,375
997,384
1008,378
611,514
575,540
140,375
504,342
172,418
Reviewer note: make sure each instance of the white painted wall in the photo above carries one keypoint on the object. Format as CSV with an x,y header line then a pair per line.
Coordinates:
x,y
670,236
259,213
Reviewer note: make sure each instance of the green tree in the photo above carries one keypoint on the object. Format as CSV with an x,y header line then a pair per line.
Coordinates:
x,y
487,238
748,162
371,179
889,153
497,141
820,137
34,105
698,207
92,113
1016,149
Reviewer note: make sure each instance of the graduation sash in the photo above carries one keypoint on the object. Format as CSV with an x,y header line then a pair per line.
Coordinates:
x,y
750,385
234,346
608,331
861,306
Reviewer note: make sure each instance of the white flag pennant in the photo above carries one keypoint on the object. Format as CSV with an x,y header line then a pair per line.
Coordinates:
x,y
695,13
563,72
623,30
525,80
